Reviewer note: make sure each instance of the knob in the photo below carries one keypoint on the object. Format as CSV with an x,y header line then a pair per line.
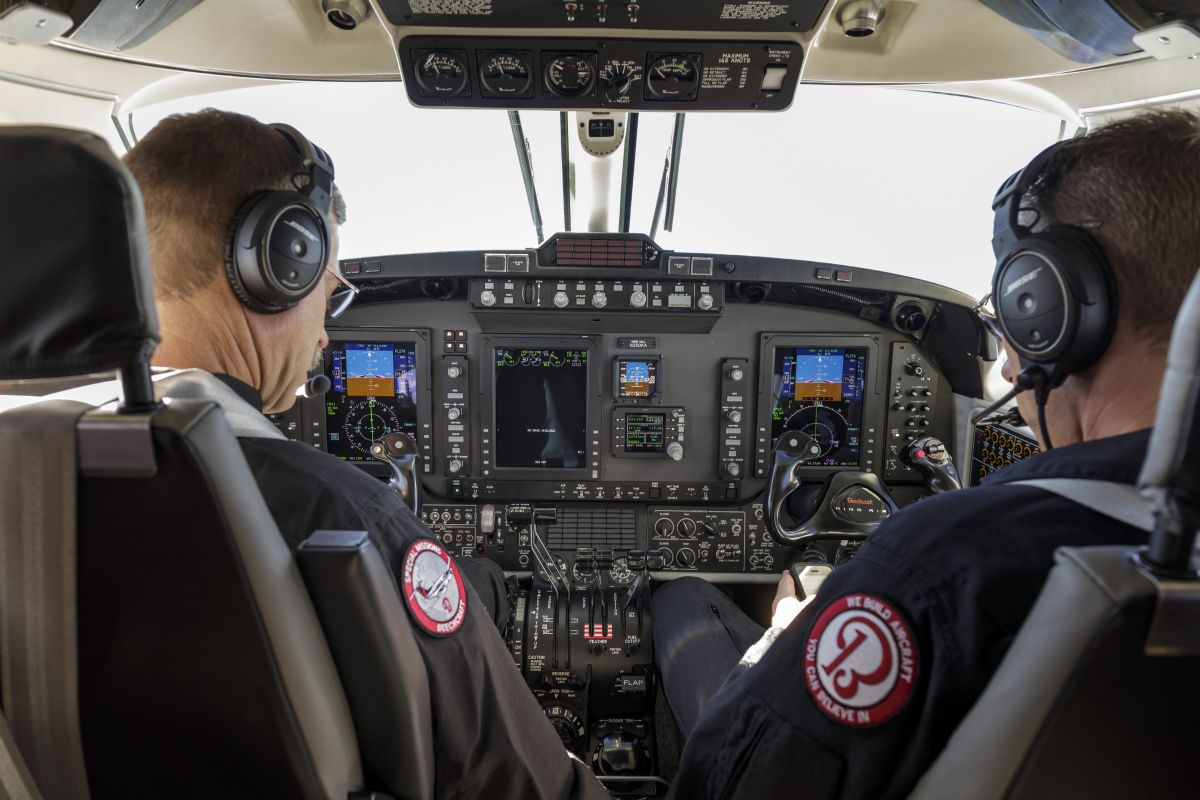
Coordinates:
x,y
734,415
453,371
916,408
561,300
926,393
453,413
685,558
599,300
664,527
913,368
487,297
675,451
704,302
455,466
897,406
687,527
736,374
733,469
638,299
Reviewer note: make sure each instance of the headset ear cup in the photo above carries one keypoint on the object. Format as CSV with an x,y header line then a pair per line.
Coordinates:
x,y
232,266
1109,306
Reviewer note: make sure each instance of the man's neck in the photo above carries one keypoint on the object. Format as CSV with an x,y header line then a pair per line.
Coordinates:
x,y
210,342
1122,396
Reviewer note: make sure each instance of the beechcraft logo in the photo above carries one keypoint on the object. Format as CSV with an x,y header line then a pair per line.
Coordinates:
x,y
860,662
433,588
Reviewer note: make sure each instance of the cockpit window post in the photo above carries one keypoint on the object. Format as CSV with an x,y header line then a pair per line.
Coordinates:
x,y
514,118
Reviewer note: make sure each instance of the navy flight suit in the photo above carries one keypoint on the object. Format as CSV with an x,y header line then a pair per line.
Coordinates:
x,y
491,739
862,691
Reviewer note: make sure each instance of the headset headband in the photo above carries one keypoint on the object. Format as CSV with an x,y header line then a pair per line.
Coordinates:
x,y
1006,227
318,167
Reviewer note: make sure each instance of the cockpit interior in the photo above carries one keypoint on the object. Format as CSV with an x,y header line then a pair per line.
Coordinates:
x,y
636,292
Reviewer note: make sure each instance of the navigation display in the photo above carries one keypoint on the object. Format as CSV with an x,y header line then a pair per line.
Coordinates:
x,y
541,400
818,392
374,393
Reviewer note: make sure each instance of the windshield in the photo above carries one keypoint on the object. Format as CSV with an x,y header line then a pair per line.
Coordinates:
x,y
885,179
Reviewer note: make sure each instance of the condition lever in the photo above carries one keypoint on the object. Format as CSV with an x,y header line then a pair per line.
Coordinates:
x,y
399,451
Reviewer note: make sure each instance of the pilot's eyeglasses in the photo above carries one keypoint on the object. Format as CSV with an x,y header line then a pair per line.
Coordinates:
x,y
342,296
987,316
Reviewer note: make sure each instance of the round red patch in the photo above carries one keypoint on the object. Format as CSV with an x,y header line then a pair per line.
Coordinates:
x,y
860,662
433,588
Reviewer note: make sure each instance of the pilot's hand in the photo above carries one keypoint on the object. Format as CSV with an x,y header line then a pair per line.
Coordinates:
x,y
787,604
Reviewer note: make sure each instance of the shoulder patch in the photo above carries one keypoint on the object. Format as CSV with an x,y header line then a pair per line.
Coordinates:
x,y
860,661
433,588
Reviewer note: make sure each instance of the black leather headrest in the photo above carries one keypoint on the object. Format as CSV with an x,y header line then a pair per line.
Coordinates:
x,y
75,293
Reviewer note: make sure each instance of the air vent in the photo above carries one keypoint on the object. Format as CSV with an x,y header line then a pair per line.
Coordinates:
x,y
614,528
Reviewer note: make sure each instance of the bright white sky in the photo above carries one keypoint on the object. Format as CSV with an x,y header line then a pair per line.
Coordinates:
x,y
885,179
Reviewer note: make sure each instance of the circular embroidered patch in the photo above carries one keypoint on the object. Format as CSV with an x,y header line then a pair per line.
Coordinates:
x,y
860,661
433,588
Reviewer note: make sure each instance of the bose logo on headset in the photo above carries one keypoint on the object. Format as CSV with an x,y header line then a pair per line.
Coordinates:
x,y
1021,281
297,226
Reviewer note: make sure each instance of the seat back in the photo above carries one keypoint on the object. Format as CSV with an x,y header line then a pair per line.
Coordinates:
x,y
1097,695
203,671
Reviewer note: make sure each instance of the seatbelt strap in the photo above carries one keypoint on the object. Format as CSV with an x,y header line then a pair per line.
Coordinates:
x,y
15,781
38,647
1119,501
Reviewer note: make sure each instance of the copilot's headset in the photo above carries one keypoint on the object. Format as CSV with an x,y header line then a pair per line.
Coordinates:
x,y
1053,290
278,240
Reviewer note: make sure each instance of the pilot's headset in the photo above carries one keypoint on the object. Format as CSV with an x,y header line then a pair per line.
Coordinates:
x,y
1053,290
278,241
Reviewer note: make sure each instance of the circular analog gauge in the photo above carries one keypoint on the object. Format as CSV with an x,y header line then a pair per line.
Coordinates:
x,y
505,75
368,421
824,426
440,72
621,574
570,76
672,78
583,578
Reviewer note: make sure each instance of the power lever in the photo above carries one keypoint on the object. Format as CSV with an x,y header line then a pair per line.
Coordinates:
x,y
399,451
930,457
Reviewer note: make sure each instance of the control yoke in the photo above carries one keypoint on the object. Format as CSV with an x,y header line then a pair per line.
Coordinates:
x,y
399,451
849,505
930,457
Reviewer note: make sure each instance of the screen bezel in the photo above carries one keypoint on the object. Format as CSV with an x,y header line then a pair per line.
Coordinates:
x,y
487,391
419,339
868,458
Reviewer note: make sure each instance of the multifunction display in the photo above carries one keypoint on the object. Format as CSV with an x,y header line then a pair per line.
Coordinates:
x,y
818,393
645,433
374,393
541,407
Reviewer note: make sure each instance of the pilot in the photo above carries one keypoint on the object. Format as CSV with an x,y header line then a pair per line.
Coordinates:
x,y
856,696
200,176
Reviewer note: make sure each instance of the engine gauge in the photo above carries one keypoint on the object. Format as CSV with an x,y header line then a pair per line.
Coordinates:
x,y
505,74
570,75
441,73
673,77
